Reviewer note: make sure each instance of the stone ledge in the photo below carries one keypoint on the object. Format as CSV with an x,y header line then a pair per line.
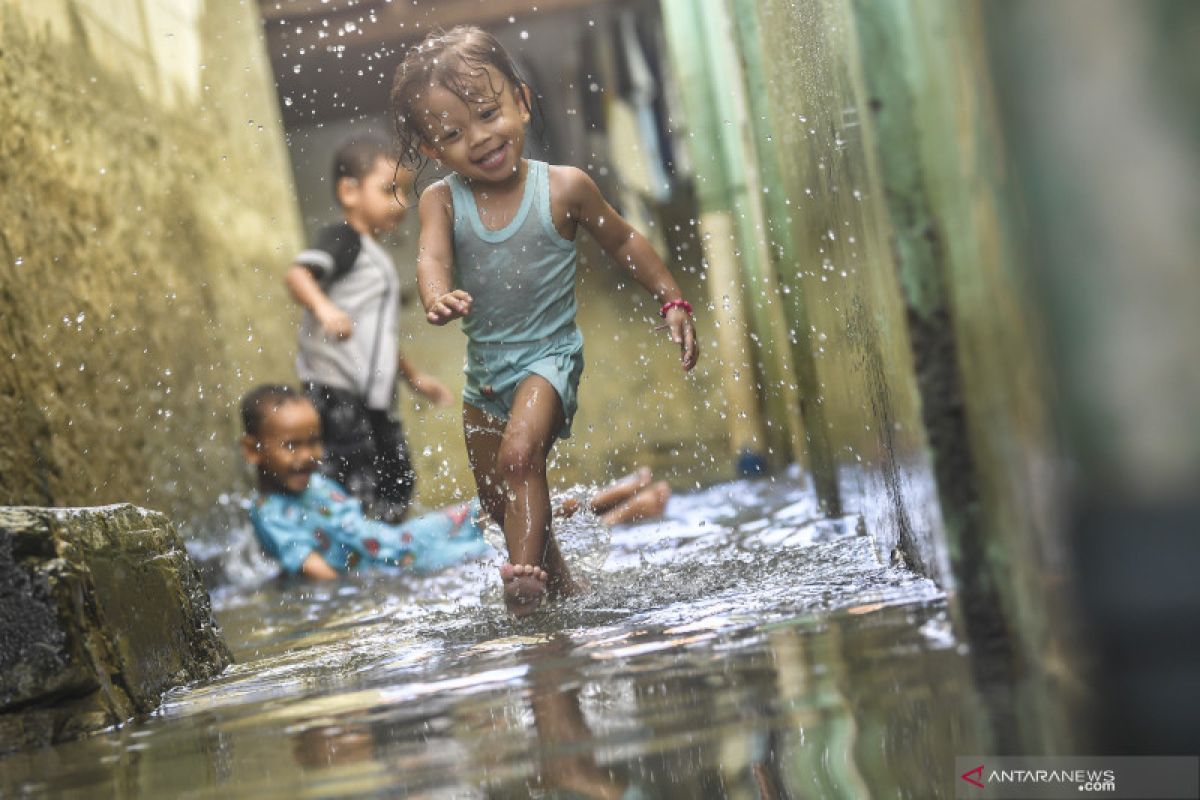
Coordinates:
x,y
101,611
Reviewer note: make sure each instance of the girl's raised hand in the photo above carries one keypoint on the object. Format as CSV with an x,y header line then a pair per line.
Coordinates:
x,y
449,306
683,333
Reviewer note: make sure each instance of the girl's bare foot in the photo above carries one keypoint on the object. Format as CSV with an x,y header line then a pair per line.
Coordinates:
x,y
648,502
524,588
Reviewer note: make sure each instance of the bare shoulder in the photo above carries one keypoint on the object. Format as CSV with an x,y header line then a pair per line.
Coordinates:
x,y
572,185
437,195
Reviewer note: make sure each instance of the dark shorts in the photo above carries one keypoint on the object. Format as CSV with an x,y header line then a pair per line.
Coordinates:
x,y
365,451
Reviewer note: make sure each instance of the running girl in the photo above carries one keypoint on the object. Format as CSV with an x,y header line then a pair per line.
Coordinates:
x,y
497,248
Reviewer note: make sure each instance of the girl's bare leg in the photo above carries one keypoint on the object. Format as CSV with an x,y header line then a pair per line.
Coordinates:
x,y
537,564
485,437
484,434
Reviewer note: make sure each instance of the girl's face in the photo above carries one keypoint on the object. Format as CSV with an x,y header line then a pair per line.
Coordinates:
x,y
482,136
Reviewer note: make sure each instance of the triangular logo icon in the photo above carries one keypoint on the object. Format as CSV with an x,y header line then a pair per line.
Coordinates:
x,y
977,780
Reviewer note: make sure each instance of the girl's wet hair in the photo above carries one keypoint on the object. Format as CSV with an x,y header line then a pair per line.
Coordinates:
x,y
455,60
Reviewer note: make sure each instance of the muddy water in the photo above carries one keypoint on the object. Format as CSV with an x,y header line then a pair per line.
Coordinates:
x,y
741,647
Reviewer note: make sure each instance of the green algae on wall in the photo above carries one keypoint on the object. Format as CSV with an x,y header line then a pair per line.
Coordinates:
x,y
145,209
845,313
905,290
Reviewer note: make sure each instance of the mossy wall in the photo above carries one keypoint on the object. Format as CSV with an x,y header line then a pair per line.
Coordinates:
x,y
908,301
829,227
145,212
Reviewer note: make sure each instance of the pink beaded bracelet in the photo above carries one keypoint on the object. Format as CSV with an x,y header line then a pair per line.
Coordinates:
x,y
667,306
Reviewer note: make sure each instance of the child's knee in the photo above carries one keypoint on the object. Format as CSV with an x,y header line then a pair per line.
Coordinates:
x,y
520,459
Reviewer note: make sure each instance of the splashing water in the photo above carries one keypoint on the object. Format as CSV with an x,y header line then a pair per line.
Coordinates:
x,y
742,638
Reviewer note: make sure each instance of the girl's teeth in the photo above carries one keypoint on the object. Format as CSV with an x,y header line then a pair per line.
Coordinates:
x,y
492,157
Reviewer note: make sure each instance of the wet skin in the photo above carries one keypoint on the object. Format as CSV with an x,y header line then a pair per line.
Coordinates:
x,y
480,135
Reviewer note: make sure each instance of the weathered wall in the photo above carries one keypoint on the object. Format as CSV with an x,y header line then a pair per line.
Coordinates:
x,y
974,334
1098,106
145,209
908,308
829,228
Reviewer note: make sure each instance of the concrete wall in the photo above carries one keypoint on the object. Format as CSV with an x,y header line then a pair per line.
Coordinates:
x,y
842,295
916,346
1098,107
145,212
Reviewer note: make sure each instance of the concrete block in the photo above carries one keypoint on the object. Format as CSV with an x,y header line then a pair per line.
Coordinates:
x,y
101,611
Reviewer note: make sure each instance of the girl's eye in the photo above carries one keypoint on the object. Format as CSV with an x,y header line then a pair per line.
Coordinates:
x,y
448,136
488,113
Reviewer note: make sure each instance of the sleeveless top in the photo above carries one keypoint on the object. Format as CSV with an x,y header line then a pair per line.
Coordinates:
x,y
521,278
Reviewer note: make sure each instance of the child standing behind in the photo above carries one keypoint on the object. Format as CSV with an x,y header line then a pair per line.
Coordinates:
x,y
497,249
349,353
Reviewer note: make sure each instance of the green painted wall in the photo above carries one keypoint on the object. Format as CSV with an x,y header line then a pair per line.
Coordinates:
x,y
913,339
830,229
145,210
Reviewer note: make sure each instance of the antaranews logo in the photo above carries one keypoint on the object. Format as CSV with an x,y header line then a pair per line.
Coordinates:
x,y
1083,780
1055,777
974,776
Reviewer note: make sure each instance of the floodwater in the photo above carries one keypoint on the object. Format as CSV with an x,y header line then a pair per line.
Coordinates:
x,y
741,647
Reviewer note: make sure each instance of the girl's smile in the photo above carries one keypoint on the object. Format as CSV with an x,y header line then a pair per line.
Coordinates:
x,y
493,159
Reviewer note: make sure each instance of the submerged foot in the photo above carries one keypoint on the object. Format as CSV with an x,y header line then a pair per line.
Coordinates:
x,y
525,588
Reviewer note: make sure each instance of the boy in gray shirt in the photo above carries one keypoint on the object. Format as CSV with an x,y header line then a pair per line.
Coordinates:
x,y
349,355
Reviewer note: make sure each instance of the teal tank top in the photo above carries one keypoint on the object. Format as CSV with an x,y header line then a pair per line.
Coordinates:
x,y
521,278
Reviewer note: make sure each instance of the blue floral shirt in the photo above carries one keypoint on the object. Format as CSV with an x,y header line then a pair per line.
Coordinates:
x,y
325,519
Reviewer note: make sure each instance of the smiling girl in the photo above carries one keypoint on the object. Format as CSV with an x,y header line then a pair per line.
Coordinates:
x,y
497,249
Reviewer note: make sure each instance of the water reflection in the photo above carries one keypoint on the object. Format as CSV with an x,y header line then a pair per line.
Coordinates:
x,y
742,647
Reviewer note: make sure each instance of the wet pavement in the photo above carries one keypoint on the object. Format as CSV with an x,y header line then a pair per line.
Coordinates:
x,y
741,647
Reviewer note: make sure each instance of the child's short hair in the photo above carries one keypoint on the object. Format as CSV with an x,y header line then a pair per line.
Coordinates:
x,y
355,157
447,59
270,396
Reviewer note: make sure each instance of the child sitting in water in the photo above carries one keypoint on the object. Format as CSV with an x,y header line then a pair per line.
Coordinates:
x,y
497,249
313,527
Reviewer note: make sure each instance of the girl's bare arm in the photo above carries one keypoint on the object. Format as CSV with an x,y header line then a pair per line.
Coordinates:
x,y
435,258
631,250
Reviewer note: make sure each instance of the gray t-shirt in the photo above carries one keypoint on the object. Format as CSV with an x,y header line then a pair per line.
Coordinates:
x,y
360,278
